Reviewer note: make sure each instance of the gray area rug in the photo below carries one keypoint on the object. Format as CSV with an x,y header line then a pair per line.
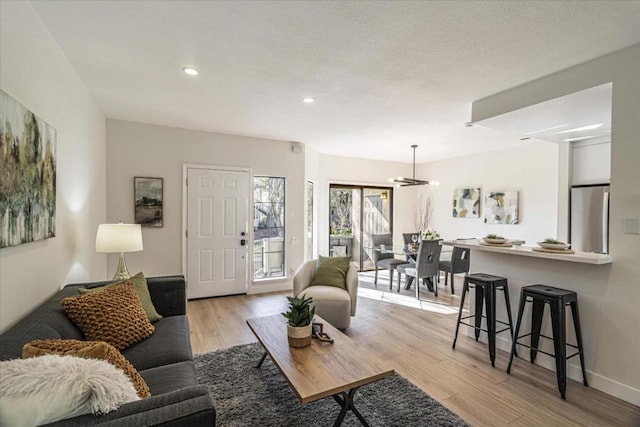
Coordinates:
x,y
249,396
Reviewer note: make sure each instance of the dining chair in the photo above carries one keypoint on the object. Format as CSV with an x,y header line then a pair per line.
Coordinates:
x,y
408,239
459,263
425,267
384,260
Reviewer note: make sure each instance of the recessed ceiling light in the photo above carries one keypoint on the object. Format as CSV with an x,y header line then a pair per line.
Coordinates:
x,y
190,71
308,100
590,127
579,138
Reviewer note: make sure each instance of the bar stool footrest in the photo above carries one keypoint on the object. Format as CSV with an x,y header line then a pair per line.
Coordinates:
x,y
574,354
484,330
538,350
473,326
543,336
550,354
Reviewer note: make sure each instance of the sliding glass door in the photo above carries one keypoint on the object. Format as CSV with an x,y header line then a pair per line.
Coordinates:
x,y
355,213
376,219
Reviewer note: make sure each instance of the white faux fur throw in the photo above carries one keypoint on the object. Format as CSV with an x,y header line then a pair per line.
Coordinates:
x,y
49,388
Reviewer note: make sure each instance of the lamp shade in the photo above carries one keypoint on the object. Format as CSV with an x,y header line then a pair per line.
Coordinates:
x,y
119,238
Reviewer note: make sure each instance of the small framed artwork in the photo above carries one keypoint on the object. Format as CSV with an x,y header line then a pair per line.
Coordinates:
x,y
501,207
147,193
466,203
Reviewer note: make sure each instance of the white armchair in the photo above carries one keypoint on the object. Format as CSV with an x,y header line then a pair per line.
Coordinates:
x,y
333,304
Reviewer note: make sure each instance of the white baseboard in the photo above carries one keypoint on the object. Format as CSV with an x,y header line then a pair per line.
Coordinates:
x,y
270,286
597,381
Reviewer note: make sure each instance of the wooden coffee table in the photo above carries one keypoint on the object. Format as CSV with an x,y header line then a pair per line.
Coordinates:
x,y
322,369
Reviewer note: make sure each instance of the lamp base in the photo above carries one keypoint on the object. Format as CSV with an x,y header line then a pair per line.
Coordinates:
x,y
121,272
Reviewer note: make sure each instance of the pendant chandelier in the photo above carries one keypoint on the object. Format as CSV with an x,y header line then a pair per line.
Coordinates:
x,y
405,182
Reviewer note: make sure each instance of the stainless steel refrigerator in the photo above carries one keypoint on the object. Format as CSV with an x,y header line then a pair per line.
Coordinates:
x,y
590,218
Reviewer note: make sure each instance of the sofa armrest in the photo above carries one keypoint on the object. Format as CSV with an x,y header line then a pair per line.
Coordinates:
x,y
168,294
303,276
192,406
352,286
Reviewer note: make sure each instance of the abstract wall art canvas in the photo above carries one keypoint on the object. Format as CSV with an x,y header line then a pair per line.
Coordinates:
x,y
466,203
501,207
27,175
148,201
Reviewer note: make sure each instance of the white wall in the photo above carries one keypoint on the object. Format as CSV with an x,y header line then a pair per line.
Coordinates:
x,y
614,331
135,149
531,169
34,71
312,174
591,162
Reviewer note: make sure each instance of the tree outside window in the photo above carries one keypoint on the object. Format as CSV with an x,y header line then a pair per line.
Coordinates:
x,y
268,227
340,211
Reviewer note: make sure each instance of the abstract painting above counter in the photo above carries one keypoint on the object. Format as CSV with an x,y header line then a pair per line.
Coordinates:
x,y
466,203
501,207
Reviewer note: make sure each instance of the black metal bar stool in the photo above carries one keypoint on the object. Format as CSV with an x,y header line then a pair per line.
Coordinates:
x,y
485,286
557,299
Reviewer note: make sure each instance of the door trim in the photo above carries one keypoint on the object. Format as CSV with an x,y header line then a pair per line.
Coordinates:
x,y
185,171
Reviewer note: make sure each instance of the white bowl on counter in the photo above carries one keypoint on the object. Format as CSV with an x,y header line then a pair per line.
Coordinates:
x,y
554,246
494,241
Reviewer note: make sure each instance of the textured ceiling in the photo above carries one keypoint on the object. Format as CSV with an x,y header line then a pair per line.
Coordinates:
x,y
385,75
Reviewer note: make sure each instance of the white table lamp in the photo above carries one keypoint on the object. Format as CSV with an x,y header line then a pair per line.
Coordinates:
x,y
119,238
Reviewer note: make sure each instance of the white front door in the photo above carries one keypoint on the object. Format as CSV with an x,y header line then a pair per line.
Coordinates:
x,y
217,232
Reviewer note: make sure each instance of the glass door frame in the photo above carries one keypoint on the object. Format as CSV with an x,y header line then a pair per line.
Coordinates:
x,y
361,189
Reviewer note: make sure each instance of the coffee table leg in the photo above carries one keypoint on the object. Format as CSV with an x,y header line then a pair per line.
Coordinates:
x,y
345,400
264,356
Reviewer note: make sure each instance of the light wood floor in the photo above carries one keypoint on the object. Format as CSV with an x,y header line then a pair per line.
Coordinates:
x,y
416,338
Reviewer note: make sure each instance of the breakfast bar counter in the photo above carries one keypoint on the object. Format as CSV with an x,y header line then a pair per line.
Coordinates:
x,y
588,274
584,257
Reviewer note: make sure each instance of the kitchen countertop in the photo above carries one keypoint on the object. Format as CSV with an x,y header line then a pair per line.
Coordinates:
x,y
582,257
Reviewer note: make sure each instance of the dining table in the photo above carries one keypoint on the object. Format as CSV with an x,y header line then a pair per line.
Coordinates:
x,y
397,249
409,249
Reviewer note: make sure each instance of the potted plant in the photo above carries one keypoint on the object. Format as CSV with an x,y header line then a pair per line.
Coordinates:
x,y
494,239
299,318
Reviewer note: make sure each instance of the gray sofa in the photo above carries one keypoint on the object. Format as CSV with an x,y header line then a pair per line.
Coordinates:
x,y
164,360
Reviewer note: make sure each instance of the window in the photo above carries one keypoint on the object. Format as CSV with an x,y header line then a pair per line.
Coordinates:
x,y
268,227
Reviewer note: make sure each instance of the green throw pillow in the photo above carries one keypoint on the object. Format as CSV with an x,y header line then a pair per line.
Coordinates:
x,y
141,288
332,271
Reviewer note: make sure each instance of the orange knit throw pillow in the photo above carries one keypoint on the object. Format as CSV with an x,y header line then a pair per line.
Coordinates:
x,y
88,350
114,315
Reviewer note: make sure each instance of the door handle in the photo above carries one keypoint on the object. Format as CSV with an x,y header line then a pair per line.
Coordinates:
x,y
243,242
